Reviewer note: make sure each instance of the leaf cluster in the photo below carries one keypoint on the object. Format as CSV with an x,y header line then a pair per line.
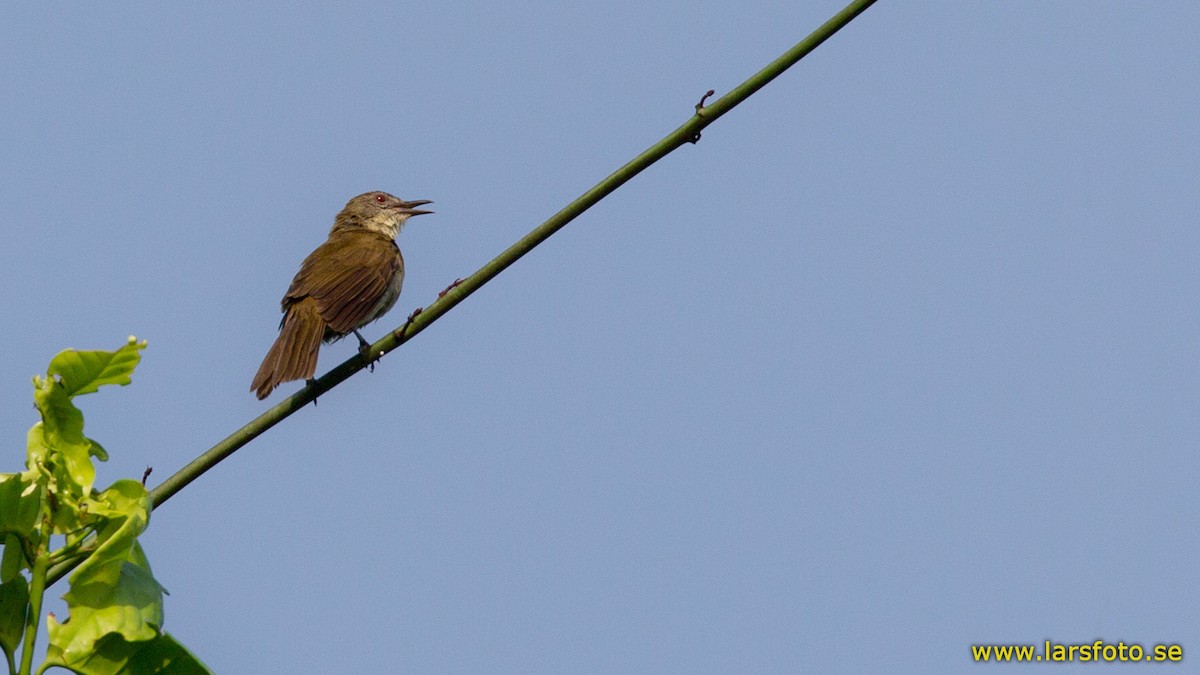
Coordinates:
x,y
51,514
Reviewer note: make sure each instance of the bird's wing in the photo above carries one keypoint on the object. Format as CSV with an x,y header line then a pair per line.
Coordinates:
x,y
347,276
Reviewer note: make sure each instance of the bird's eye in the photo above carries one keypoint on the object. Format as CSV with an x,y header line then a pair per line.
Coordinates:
x,y
380,199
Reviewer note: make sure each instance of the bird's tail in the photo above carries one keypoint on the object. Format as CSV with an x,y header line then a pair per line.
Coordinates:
x,y
294,354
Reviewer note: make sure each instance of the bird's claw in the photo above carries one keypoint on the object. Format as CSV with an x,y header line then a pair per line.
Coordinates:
x,y
364,350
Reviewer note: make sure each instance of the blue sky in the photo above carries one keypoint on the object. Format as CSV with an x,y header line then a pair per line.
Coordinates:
x,y
901,357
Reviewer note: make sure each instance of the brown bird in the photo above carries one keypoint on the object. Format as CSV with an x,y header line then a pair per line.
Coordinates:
x,y
349,281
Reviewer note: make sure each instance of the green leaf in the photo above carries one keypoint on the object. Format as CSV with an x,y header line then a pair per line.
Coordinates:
x,y
163,655
58,443
62,422
126,506
14,605
64,470
13,560
97,451
20,501
126,498
113,591
77,468
85,372
120,598
36,451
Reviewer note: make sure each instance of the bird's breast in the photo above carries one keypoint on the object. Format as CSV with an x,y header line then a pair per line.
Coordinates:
x,y
388,300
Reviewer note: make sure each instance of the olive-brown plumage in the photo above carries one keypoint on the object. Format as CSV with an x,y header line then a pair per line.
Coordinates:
x,y
349,281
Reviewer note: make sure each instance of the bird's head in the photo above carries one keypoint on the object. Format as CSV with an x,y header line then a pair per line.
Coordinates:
x,y
379,212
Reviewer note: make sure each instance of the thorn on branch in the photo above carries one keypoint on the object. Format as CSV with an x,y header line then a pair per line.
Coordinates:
x,y
447,289
146,474
409,320
700,113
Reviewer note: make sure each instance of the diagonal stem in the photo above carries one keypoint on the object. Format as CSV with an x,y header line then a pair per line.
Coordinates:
x,y
688,132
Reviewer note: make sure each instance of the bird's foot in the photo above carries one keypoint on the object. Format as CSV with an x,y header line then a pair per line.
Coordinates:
x,y
310,382
364,350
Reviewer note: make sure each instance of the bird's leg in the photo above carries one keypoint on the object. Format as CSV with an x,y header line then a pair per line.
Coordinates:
x,y
310,382
364,350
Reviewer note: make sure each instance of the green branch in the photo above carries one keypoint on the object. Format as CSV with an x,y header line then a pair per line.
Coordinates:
x,y
688,132
37,588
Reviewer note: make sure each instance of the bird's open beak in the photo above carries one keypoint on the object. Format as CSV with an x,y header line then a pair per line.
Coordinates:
x,y
408,207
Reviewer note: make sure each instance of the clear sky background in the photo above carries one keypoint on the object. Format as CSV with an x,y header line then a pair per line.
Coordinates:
x,y
903,356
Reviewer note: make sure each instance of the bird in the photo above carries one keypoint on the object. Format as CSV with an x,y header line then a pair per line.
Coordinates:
x,y
349,281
